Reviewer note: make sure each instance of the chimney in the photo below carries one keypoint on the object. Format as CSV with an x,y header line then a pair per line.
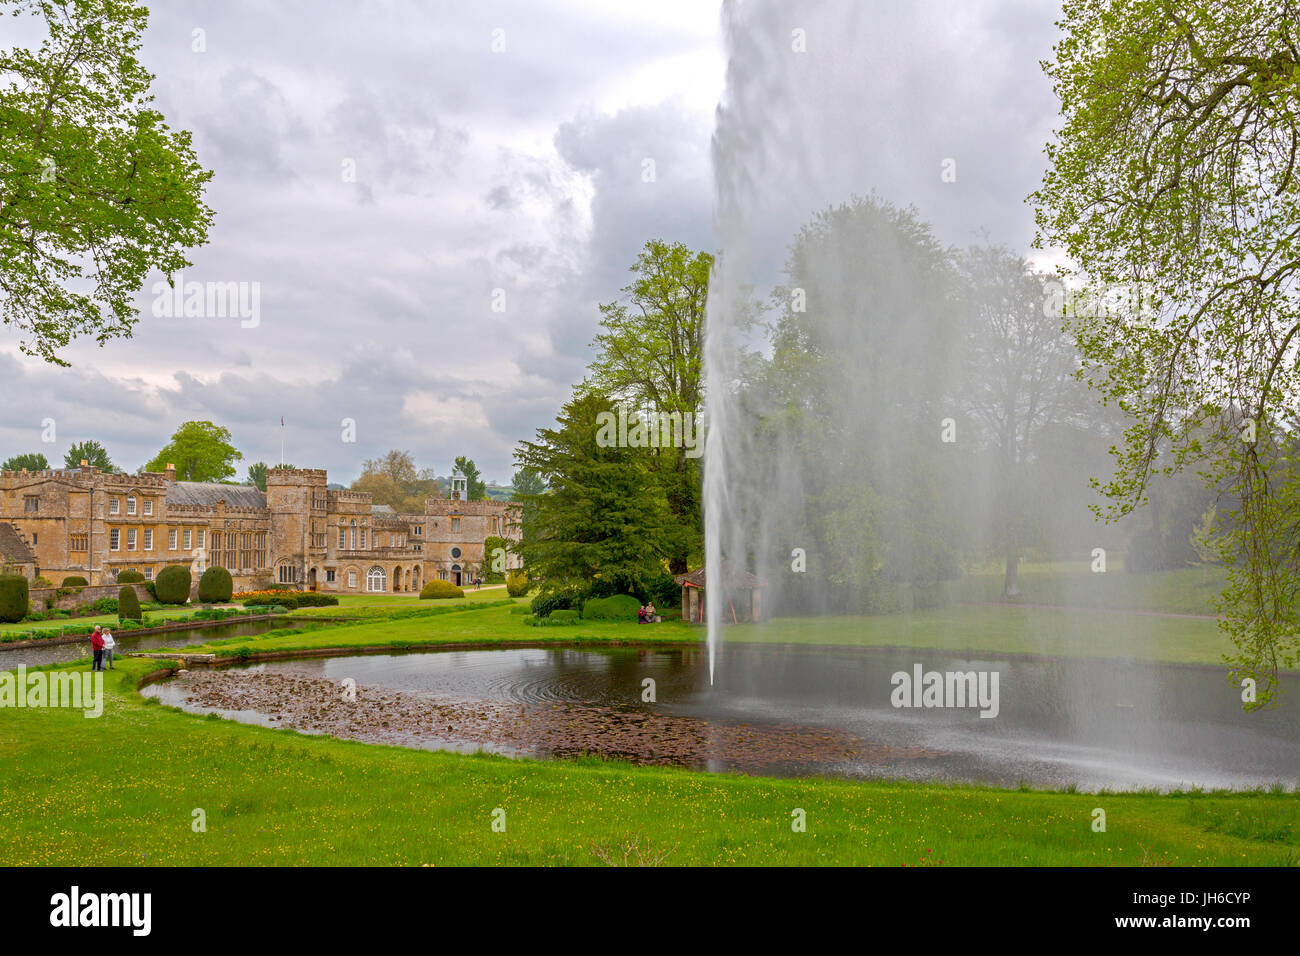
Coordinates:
x,y
85,463
171,472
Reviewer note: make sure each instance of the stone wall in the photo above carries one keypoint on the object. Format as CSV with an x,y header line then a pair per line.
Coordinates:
x,y
87,595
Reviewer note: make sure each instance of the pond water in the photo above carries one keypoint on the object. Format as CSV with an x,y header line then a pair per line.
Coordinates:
x,y
785,711
11,657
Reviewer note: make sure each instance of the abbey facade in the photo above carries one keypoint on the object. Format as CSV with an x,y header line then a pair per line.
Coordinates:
x,y
82,521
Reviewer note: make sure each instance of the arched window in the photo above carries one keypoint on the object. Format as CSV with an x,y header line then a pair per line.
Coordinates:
x,y
376,580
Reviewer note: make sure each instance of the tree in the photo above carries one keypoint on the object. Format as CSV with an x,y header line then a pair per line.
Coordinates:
x,y
96,191
257,475
89,451
650,355
393,480
33,461
474,484
605,514
1175,170
201,451
1020,381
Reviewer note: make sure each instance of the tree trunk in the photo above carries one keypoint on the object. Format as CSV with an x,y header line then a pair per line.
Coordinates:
x,y
1011,583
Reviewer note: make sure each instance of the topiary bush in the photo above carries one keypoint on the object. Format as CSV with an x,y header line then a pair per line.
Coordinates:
x,y
546,604
215,586
172,585
310,599
620,607
130,577
287,601
128,605
516,584
74,581
13,598
562,617
440,589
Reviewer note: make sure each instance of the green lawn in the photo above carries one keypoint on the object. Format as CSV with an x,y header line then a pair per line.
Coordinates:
x,y
79,625
123,789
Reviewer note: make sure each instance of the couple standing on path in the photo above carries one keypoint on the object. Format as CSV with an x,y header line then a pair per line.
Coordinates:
x,y
102,643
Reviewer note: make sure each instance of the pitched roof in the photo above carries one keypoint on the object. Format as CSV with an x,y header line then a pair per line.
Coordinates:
x,y
733,577
13,549
208,493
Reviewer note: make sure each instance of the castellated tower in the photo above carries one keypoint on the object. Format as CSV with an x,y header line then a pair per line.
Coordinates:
x,y
296,499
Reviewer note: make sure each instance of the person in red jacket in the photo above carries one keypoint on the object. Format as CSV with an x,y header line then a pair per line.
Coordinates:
x,y
97,645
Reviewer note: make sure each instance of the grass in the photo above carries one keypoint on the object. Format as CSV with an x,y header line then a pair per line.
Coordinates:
x,y
77,625
124,789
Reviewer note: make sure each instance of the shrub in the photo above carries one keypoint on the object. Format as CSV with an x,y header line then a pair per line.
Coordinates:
x,y
172,585
153,591
74,581
563,616
546,604
13,598
288,601
128,605
130,577
516,584
310,599
440,589
42,582
620,607
215,586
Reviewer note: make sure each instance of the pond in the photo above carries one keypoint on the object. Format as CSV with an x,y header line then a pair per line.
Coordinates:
x,y
11,657
786,711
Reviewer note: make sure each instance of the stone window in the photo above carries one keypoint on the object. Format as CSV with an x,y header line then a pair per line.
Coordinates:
x,y
130,539
148,539
114,506
130,504
329,575
31,503
455,552
171,540
455,524
352,579
418,530
148,573
376,580
343,538
363,538
148,506
79,542
115,540
198,536
189,540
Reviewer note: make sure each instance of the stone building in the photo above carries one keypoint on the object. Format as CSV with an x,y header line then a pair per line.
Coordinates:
x,y
15,556
298,532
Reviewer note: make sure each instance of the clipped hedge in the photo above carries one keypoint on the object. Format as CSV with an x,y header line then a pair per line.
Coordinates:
x,y
620,607
128,605
74,581
516,584
215,586
564,617
130,577
440,589
172,586
13,598
292,601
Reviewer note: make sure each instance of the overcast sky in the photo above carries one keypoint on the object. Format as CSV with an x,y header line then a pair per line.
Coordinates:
x,y
520,169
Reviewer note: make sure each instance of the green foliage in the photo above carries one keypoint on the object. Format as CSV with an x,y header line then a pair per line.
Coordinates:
x,y
474,485
495,552
130,577
619,607
440,589
98,191
393,480
605,515
172,586
32,462
1173,180
75,581
563,616
215,585
13,598
257,475
201,451
516,583
91,452
548,602
128,605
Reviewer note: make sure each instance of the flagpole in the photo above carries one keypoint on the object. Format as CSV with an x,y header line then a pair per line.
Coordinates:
x,y
281,441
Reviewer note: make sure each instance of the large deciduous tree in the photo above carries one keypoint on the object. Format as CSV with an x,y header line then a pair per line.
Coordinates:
x,y
1175,175
649,355
96,191
201,451
91,452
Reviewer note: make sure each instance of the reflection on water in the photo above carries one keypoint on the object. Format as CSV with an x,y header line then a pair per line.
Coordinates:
x,y
59,653
1093,724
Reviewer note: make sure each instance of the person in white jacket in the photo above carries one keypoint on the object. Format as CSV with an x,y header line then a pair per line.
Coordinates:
x,y
109,644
